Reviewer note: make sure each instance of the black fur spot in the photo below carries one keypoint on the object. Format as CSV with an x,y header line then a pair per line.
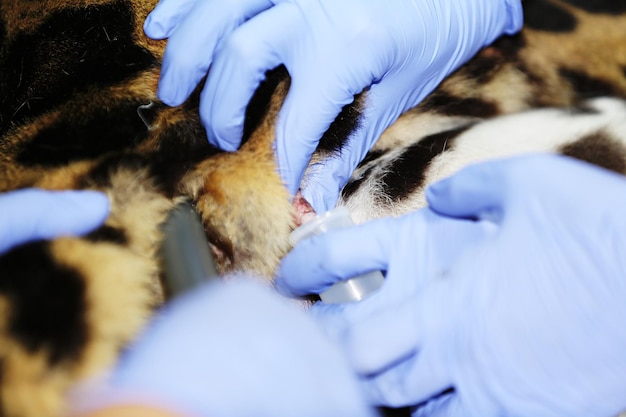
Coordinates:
x,y
165,166
346,123
586,86
353,185
355,182
47,302
531,77
600,6
100,175
449,105
488,63
179,148
108,234
600,149
174,159
482,68
3,30
371,157
73,50
509,46
75,138
546,16
406,174
259,102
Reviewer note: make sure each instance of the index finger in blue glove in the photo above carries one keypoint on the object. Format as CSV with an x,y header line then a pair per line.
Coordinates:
x,y
239,67
324,183
33,214
165,17
298,133
320,261
475,192
298,130
190,51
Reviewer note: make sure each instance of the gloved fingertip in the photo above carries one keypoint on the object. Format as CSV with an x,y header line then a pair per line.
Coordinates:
x,y
296,278
281,287
94,204
96,200
223,145
515,17
475,192
154,29
167,95
317,200
92,196
321,192
437,191
454,196
178,80
226,139
48,214
286,280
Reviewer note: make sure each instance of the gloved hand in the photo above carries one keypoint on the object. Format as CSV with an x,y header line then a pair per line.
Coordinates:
x,y
233,349
332,50
32,214
527,320
420,244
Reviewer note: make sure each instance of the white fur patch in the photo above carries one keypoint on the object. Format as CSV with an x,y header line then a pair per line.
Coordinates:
x,y
543,130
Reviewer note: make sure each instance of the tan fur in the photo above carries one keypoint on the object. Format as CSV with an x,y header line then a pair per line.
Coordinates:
x,y
258,230
36,389
245,208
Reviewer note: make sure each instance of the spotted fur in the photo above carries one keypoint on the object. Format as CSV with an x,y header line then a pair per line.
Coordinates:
x,y
78,111
392,182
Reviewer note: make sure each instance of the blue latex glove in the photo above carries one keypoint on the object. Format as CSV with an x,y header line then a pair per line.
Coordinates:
x,y
527,321
234,349
333,49
33,214
420,244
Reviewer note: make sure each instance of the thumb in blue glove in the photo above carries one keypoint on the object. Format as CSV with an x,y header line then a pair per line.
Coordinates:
x,y
527,320
33,214
332,50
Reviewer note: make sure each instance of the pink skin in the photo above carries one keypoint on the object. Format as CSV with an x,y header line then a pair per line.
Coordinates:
x,y
304,211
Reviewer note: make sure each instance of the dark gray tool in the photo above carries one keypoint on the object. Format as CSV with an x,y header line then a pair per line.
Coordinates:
x,y
185,255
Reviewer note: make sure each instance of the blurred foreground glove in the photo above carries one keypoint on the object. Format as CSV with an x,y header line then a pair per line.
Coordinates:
x,y
233,349
527,321
33,214
333,49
